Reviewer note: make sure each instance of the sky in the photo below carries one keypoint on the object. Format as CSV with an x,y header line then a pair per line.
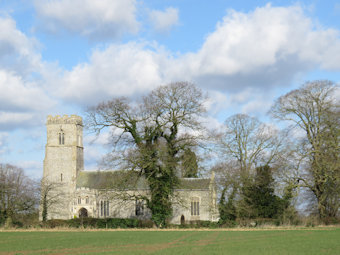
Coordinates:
x,y
60,56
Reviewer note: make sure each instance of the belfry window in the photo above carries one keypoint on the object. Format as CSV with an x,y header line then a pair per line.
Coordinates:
x,y
61,138
79,140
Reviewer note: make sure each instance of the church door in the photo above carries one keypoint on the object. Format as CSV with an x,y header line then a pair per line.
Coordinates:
x,y
82,213
182,220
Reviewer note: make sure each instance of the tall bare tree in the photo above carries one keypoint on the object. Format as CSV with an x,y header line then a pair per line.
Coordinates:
x,y
249,143
245,144
313,109
150,137
17,193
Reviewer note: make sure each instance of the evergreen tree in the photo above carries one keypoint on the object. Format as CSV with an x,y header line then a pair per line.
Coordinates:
x,y
259,195
227,208
189,164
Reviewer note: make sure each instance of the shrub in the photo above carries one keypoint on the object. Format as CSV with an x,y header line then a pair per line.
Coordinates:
x,y
54,223
331,220
145,224
100,223
227,224
197,224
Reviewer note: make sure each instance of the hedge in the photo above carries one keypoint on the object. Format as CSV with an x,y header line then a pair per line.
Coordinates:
x,y
99,223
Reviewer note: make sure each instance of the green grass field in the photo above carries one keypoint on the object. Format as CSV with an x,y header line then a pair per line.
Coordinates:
x,y
310,241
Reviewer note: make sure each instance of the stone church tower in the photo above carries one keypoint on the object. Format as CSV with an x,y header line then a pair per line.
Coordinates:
x,y
64,158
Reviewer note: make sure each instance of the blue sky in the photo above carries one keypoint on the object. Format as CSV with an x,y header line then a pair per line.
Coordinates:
x,y
60,56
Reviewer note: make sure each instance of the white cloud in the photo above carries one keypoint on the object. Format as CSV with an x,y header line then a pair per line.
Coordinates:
x,y
105,19
16,94
243,96
93,155
32,168
21,102
3,143
211,123
251,101
216,102
258,104
96,147
164,21
336,94
119,70
98,140
267,47
17,51
247,53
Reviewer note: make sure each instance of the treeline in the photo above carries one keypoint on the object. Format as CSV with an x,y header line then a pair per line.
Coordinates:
x,y
262,170
265,169
256,203
19,197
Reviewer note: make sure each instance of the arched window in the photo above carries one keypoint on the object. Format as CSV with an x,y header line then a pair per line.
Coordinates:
x,y
79,200
87,200
61,177
139,207
104,208
195,206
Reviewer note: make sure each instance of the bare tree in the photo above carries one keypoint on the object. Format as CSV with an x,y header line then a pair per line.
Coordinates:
x,y
17,193
245,144
151,136
314,110
248,143
52,196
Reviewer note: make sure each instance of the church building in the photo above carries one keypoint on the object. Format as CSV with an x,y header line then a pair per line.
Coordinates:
x,y
109,194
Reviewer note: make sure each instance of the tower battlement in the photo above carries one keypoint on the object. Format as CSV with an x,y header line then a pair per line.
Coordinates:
x,y
65,119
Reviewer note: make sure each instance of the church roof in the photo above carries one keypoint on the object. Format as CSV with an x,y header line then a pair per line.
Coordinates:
x,y
194,183
130,180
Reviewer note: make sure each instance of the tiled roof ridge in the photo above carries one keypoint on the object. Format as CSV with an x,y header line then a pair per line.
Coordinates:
x,y
194,178
126,170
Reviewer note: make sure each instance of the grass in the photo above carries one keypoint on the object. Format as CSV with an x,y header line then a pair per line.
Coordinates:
x,y
298,241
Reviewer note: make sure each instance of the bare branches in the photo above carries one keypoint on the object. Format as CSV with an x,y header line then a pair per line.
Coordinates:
x,y
116,113
17,192
306,107
249,142
52,197
177,103
314,110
